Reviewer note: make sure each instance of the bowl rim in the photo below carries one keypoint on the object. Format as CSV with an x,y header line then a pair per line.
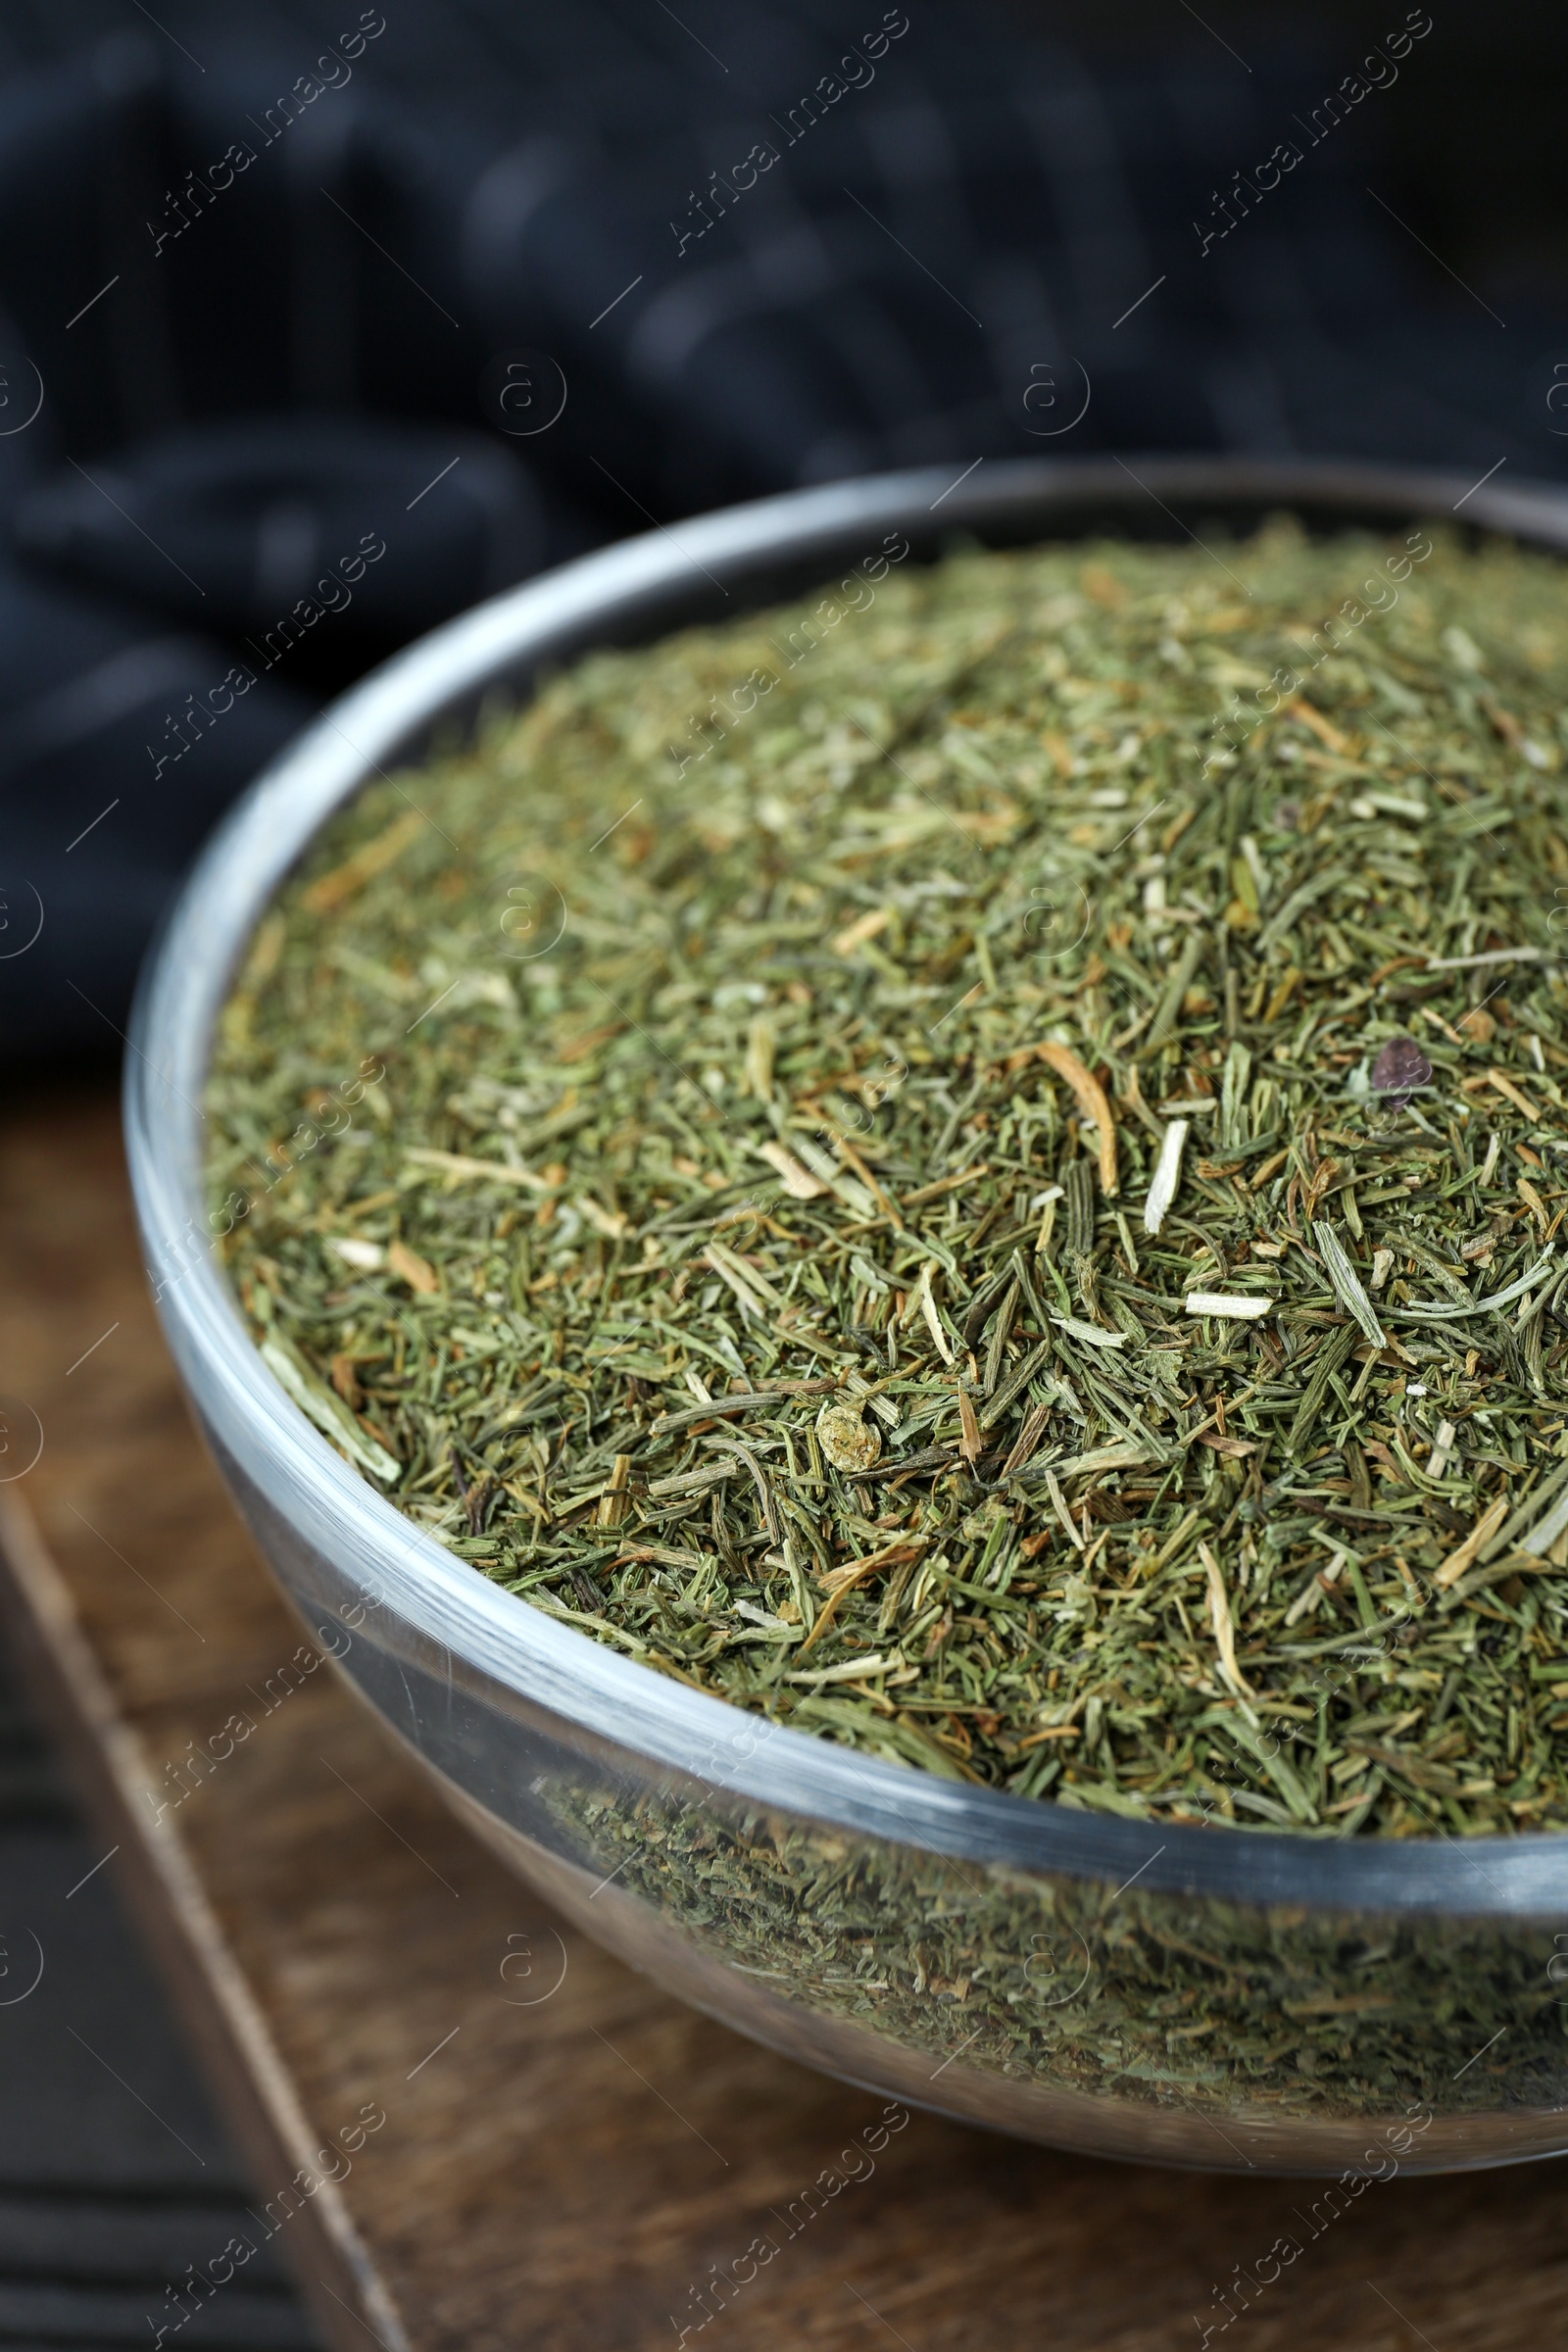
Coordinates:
x,y
635,591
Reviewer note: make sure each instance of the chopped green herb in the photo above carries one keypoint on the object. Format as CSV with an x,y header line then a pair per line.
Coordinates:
x,y
937,1174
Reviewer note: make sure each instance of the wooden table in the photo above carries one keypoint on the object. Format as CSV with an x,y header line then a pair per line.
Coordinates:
x,y
561,2171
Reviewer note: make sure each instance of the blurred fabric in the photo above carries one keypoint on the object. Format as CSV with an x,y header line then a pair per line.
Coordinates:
x,y
318,323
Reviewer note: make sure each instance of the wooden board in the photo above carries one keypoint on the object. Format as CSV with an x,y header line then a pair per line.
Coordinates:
x,y
571,2170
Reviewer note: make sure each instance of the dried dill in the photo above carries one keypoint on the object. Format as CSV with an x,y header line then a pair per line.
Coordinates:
x,y
921,1163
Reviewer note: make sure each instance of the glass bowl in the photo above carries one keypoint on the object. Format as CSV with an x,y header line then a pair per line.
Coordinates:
x,y
1190,1995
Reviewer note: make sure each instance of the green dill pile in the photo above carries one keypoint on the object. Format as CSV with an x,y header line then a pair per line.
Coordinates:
x,y
691,1150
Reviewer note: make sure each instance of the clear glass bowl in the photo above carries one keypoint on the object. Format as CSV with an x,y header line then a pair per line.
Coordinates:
x,y
1201,1996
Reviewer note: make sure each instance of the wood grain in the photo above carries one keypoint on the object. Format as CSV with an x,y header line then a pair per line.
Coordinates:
x,y
559,2168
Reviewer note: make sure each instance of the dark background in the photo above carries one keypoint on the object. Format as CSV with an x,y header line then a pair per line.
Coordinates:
x,y
318,353
228,416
